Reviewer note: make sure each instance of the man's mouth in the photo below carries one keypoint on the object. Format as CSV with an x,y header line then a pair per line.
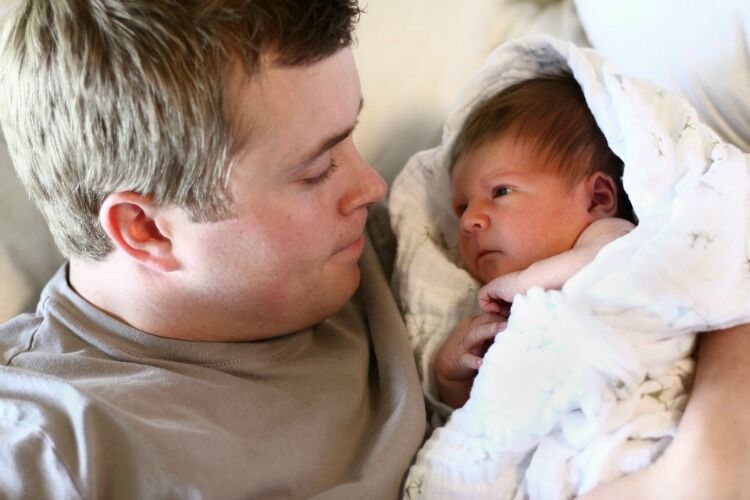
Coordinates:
x,y
353,246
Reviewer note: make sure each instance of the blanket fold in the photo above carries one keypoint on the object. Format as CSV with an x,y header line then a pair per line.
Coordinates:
x,y
586,383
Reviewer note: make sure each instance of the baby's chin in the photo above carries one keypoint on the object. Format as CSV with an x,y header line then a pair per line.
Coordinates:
x,y
491,267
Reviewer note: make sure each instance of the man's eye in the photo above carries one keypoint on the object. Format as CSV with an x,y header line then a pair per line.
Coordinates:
x,y
501,191
322,177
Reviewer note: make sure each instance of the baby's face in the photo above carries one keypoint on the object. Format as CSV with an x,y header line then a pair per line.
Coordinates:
x,y
513,212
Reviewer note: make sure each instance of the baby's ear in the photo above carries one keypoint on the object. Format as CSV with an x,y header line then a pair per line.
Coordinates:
x,y
602,195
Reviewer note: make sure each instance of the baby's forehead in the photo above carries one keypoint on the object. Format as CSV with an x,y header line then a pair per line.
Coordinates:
x,y
473,181
501,152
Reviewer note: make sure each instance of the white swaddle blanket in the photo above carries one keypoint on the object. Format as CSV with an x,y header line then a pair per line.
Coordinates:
x,y
586,383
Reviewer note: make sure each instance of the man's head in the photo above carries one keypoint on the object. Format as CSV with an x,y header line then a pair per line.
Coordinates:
x,y
530,170
195,159
106,96
287,258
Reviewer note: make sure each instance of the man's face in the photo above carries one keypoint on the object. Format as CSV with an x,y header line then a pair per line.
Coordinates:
x,y
287,259
513,210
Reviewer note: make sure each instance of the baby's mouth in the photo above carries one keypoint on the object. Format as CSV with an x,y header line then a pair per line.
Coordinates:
x,y
482,253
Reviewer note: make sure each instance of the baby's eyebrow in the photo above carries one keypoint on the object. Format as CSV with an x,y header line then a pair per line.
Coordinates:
x,y
502,176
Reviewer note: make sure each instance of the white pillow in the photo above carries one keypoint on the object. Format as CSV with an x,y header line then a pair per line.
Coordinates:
x,y
699,49
15,289
28,256
5,6
413,57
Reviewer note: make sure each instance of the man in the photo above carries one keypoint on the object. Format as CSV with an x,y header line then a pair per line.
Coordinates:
x,y
213,335
196,166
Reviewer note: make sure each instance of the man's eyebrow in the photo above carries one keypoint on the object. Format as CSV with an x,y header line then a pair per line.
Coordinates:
x,y
331,141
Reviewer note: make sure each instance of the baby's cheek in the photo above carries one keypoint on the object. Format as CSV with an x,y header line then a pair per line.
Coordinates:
x,y
489,269
462,249
465,254
533,248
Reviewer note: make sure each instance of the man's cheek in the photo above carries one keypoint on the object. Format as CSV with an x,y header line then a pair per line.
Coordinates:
x,y
282,279
296,280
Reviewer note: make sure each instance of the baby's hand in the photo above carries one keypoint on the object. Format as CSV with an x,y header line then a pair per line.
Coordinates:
x,y
495,296
460,357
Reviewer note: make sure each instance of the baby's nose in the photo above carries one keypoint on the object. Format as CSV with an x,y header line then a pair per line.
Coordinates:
x,y
474,219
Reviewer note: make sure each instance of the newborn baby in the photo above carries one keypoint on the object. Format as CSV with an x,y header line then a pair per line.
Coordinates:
x,y
538,194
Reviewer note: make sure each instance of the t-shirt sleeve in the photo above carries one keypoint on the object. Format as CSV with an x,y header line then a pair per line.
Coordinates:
x,y
29,464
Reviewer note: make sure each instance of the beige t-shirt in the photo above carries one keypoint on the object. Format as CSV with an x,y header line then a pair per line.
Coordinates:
x,y
92,408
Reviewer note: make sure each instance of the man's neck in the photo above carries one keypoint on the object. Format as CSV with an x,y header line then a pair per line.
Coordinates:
x,y
112,289
158,304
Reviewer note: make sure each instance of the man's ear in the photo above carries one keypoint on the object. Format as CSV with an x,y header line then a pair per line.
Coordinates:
x,y
602,192
135,226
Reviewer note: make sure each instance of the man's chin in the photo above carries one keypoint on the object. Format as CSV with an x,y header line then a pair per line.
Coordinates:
x,y
339,291
349,284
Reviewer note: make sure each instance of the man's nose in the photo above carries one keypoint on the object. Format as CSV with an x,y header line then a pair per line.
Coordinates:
x,y
367,187
474,218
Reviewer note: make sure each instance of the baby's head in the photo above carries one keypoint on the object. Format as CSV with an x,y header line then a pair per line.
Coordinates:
x,y
530,170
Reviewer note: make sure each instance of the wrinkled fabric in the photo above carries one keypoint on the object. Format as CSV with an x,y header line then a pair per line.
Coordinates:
x,y
92,408
587,383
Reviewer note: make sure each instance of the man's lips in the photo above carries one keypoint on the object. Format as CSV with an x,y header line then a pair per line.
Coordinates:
x,y
355,242
352,244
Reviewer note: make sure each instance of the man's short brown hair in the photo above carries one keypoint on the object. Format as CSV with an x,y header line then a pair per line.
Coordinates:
x,y
550,112
100,96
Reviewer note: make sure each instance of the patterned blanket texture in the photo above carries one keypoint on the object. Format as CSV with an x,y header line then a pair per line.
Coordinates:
x,y
587,383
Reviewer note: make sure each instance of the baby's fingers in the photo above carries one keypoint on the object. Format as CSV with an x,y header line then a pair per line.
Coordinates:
x,y
493,294
502,288
469,361
476,338
486,302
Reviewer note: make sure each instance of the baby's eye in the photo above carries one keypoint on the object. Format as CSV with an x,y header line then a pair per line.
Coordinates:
x,y
501,191
460,209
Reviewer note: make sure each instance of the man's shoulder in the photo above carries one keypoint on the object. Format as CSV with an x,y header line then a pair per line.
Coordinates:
x,y
17,334
57,431
39,437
